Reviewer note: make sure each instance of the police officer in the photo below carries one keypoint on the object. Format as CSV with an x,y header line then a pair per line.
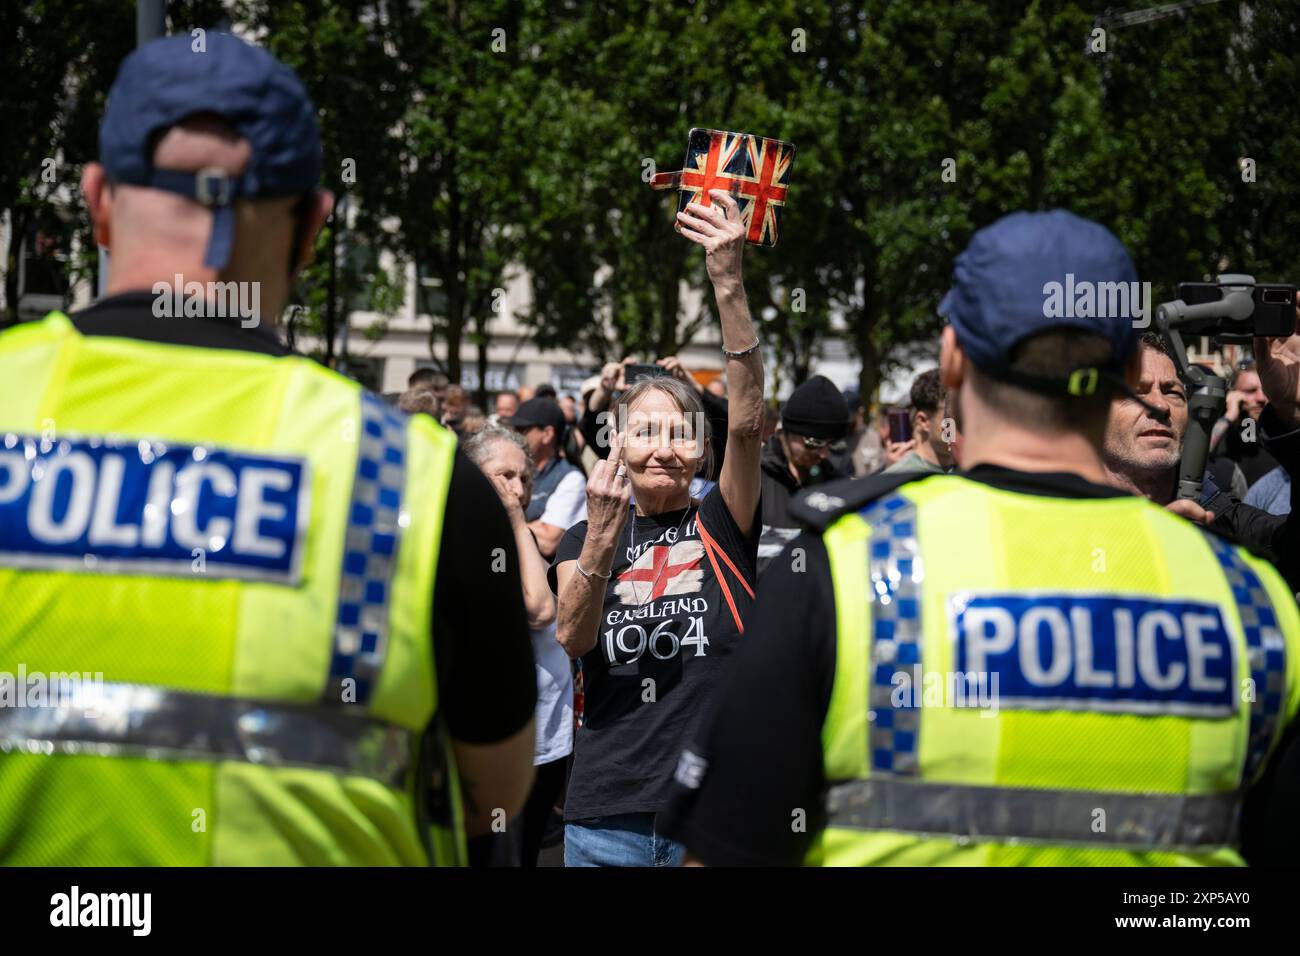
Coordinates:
x,y
1015,665
276,592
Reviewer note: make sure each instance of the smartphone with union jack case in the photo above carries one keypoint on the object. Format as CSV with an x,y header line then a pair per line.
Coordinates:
x,y
754,169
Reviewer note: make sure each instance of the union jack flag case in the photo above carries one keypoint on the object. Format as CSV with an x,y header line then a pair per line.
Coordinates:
x,y
754,169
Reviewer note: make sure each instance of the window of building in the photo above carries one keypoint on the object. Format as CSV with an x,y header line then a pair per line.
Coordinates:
x,y
430,299
44,266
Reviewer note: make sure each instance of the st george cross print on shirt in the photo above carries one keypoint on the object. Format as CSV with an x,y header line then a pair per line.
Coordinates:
x,y
662,571
754,169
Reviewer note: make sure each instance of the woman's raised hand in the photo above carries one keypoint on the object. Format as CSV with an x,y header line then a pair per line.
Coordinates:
x,y
720,230
608,493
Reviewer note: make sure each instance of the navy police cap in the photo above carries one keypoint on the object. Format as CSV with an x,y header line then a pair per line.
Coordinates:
x,y
169,79
1033,271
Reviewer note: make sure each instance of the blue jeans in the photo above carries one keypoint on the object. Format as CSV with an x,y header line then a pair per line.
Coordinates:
x,y
625,839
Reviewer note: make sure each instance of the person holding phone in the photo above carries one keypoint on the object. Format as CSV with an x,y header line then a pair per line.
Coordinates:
x,y
931,441
654,597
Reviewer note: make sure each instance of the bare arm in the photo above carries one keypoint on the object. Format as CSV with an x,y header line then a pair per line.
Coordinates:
x,y
719,230
538,600
581,601
548,538
611,380
495,777
582,596
1221,428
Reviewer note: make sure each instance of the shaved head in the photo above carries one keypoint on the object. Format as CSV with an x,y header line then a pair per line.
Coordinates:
x,y
153,235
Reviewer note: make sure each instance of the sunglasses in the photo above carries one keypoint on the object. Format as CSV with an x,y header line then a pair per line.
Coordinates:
x,y
815,444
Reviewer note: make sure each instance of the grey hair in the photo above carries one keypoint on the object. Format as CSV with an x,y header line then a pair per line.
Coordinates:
x,y
416,400
478,447
686,399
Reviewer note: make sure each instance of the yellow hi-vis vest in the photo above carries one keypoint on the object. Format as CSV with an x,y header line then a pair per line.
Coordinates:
x,y
217,570
1025,680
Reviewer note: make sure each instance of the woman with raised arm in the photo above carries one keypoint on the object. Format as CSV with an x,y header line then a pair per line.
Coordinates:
x,y
654,586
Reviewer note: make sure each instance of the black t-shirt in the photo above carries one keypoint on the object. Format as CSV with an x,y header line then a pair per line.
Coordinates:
x,y
487,684
666,632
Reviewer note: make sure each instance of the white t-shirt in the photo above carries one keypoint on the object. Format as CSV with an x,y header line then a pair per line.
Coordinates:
x,y
554,714
567,504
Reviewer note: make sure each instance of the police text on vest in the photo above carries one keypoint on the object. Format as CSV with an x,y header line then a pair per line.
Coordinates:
x,y
97,504
1098,652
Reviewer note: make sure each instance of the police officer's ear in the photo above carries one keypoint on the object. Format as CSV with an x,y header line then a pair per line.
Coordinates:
x,y
99,201
952,360
312,216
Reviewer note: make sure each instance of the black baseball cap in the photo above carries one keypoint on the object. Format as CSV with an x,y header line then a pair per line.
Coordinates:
x,y
168,80
538,412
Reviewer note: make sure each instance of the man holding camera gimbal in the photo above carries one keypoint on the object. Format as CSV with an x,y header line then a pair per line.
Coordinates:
x,y
1143,450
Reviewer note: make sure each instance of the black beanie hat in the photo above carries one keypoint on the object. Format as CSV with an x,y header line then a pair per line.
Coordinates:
x,y
816,409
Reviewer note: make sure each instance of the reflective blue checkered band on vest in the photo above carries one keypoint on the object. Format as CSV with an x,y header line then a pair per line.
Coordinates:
x,y
1265,648
896,574
370,554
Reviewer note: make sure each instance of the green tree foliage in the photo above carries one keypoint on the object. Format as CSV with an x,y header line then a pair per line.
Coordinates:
x,y
421,97
501,134
1263,230
916,124
54,79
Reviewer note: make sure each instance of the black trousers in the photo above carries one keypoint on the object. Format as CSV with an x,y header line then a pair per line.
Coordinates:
x,y
547,787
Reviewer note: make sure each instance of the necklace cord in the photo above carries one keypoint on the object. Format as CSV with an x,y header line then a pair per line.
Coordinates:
x,y
636,591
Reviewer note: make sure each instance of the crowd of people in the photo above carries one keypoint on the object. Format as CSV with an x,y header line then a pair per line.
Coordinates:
x,y
823,433
563,449
701,629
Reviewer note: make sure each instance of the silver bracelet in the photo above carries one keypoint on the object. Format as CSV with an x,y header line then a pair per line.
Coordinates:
x,y
738,355
587,574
